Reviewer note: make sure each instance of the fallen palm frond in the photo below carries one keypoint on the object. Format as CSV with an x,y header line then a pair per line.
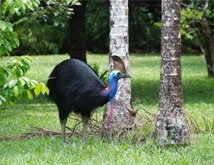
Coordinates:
x,y
36,132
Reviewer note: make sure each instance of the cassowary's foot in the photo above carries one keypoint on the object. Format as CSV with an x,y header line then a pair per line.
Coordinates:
x,y
84,129
63,127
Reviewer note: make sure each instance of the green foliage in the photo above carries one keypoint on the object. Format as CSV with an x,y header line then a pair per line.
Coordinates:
x,y
8,8
54,10
14,84
8,37
39,37
102,73
191,18
45,31
191,24
144,36
97,26
188,16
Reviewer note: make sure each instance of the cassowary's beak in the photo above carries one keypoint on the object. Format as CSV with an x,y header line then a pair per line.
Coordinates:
x,y
124,75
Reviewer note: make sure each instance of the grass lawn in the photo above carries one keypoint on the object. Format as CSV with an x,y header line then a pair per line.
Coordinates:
x,y
198,92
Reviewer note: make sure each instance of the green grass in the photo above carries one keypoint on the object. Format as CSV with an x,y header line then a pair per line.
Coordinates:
x,y
145,71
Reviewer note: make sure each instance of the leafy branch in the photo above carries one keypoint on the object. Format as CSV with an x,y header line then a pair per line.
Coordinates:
x,y
14,84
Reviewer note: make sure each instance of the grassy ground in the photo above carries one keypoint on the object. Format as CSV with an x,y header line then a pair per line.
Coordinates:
x,y
199,103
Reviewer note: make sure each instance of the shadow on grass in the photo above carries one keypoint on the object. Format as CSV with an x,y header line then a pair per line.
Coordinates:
x,y
195,90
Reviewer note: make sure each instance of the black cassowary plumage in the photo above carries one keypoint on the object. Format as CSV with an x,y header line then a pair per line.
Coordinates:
x,y
73,84
75,87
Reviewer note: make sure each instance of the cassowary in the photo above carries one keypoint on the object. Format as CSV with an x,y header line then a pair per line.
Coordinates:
x,y
75,87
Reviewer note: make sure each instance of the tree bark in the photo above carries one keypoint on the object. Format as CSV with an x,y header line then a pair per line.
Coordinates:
x,y
209,42
77,36
121,117
171,123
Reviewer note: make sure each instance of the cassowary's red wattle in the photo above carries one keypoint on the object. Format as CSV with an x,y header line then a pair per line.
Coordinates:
x,y
110,113
105,90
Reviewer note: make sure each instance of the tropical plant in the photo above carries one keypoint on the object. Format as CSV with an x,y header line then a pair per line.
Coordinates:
x,y
197,22
13,83
102,73
8,9
46,30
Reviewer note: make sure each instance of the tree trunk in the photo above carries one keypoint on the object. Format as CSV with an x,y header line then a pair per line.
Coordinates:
x,y
121,117
209,42
172,127
77,37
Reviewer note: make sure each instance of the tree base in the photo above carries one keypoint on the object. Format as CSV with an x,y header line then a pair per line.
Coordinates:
x,y
172,129
122,120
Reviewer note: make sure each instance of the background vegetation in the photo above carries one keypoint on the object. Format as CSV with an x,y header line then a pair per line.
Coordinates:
x,y
46,31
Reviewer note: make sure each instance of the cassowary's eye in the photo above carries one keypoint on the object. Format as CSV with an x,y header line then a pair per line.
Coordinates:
x,y
116,74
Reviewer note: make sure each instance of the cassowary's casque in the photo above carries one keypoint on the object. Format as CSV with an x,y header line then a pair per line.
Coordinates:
x,y
75,87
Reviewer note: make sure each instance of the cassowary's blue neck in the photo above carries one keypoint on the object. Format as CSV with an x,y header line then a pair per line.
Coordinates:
x,y
111,89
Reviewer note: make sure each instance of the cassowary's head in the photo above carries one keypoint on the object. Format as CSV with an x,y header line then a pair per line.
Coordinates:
x,y
111,90
115,75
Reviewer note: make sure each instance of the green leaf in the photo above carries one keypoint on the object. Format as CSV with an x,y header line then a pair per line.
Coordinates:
x,y
7,45
16,91
34,82
26,79
22,82
2,99
6,71
37,90
29,94
19,72
16,40
41,88
12,83
44,89
2,26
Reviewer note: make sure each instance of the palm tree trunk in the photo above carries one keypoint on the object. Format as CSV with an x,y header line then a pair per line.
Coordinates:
x,y
121,117
172,128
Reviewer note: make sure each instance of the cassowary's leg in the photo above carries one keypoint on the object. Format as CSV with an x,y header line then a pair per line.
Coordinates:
x,y
63,127
84,128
